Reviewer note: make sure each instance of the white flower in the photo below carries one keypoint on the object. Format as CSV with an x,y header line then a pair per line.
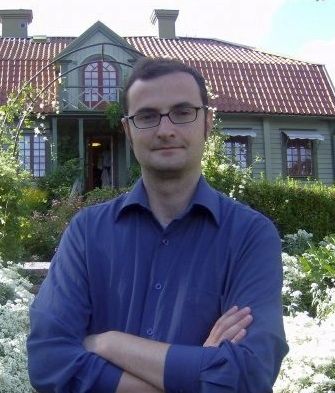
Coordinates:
x,y
296,294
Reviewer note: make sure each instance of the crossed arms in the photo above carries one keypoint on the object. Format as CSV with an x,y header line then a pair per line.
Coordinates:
x,y
62,358
143,361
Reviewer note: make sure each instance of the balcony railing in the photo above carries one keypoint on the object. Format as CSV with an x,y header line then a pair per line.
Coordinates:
x,y
81,98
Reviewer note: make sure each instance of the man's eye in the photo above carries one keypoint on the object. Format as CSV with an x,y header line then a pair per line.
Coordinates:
x,y
182,111
146,116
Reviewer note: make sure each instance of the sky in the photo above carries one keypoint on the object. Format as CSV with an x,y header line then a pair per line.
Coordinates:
x,y
303,29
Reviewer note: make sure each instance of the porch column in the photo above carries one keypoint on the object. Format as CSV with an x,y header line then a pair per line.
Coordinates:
x,y
54,143
81,148
267,149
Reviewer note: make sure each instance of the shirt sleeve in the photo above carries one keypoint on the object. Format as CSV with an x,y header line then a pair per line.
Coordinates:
x,y
59,316
252,365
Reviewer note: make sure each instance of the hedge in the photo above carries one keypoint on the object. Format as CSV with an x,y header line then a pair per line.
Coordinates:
x,y
293,205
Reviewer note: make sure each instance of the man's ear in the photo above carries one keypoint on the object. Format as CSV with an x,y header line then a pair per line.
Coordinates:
x,y
208,123
126,128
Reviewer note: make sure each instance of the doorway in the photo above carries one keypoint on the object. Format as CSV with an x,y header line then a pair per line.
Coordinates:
x,y
100,168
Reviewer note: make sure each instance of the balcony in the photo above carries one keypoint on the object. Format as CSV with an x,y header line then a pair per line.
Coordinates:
x,y
82,98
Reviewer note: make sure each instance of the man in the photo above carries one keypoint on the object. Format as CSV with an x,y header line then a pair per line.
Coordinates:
x,y
172,287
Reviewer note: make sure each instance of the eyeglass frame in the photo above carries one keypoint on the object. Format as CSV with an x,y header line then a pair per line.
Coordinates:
x,y
197,108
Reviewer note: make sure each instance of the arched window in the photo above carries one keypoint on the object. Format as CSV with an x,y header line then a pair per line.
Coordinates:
x,y
100,83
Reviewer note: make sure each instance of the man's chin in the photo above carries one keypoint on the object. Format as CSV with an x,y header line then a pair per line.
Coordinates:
x,y
168,171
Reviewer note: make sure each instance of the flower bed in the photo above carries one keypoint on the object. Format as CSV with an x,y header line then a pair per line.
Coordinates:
x,y
15,299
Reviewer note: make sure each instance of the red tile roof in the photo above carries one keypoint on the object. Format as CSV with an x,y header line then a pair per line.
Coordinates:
x,y
245,79
22,58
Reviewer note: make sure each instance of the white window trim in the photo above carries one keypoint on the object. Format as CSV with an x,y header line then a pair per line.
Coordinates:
x,y
312,135
236,132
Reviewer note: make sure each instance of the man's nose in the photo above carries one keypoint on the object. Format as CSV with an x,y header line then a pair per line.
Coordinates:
x,y
165,127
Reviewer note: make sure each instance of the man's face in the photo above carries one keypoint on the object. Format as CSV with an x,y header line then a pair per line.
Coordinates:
x,y
169,149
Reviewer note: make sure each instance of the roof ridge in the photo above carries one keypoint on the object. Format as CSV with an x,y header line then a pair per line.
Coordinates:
x,y
286,56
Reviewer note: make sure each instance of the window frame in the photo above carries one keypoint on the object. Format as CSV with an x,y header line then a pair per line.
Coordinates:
x,y
32,157
100,82
303,141
240,139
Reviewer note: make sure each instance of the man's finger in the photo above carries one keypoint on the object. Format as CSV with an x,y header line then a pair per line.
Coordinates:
x,y
228,320
241,334
230,326
234,330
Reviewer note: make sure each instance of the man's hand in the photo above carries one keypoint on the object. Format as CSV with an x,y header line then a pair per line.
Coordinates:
x,y
230,326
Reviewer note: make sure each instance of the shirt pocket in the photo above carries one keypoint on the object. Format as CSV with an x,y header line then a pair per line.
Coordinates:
x,y
200,312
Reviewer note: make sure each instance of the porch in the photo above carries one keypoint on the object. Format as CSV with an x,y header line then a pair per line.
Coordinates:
x,y
103,152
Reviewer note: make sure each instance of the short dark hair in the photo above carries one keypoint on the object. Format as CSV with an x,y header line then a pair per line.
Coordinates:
x,y
147,68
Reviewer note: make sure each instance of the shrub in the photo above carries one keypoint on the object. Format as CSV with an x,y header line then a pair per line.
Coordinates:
x,y
99,195
220,172
297,243
12,206
43,230
58,183
14,325
34,199
293,205
309,280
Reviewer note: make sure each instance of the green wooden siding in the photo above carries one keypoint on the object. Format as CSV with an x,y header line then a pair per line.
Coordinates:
x,y
273,127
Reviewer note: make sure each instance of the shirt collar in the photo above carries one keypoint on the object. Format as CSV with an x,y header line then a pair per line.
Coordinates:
x,y
204,196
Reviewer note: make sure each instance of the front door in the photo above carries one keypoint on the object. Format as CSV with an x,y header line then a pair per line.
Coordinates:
x,y
99,160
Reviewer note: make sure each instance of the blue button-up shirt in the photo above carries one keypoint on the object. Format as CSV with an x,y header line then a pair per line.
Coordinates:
x,y
116,268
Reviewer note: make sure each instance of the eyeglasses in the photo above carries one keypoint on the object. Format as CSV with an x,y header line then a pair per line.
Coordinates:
x,y
179,115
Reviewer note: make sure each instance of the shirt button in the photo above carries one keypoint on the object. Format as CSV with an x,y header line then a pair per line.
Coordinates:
x,y
150,332
158,286
165,242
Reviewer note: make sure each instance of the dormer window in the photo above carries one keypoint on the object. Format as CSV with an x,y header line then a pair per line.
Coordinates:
x,y
100,83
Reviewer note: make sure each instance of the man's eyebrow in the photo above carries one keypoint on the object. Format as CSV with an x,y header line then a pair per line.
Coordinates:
x,y
145,109
183,104
152,109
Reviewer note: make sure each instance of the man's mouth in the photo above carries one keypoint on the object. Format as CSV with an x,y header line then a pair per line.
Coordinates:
x,y
167,147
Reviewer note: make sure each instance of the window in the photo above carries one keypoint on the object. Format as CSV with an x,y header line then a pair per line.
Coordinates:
x,y
32,154
299,158
100,83
299,152
236,148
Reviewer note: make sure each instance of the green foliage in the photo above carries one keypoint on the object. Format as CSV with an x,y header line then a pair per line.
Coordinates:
x,y
318,263
15,115
58,183
134,173
43,230
219,171
114,114
67,146
34,198
12,207
6,293
297,243
293,205
310,278
99,195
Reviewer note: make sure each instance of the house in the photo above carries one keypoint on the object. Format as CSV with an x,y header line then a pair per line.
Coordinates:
x,y
274,107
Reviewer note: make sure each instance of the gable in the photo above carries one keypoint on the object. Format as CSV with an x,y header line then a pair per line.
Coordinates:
x,y
99,40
